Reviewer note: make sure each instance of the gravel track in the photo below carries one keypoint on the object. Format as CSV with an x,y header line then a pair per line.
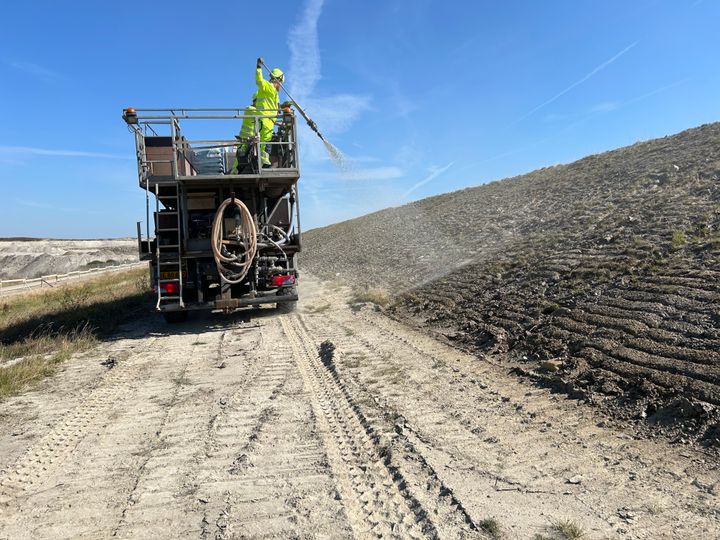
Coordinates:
x,y
335,422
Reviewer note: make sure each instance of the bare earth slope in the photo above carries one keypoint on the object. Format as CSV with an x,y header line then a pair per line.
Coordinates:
x,y
607,268
29,258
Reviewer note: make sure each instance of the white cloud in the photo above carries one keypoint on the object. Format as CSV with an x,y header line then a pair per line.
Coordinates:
x,y
333,113
303,42
434,173
28,150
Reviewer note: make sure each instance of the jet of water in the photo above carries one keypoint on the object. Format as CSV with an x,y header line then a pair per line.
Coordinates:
x,y
341,161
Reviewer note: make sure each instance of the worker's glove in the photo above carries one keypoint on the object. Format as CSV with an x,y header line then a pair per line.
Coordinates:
x,y
259,62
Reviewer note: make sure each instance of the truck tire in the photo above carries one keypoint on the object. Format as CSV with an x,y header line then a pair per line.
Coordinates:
x,y
287,307
172,317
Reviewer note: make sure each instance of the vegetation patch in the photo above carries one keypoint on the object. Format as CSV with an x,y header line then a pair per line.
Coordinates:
x,y
568,530
41,329
678,239
491,527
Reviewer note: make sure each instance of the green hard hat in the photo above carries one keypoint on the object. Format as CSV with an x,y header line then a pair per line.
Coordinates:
x,y
277,74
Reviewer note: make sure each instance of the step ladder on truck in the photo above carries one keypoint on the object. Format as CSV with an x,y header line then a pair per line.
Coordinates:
x,y
226,228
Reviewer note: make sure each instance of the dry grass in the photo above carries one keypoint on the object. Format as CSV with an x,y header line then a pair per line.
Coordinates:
x,y
41,329
568,530
491,527
38,356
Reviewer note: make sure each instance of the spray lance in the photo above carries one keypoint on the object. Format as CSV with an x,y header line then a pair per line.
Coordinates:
x,y
309,121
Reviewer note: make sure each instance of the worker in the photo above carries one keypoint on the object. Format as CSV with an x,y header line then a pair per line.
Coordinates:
x,y
267,105
247,131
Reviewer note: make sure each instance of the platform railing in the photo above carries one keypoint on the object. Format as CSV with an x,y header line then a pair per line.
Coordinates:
x,y
179,159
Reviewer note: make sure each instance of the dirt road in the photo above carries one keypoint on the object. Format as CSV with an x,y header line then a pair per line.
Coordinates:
x,y
332,422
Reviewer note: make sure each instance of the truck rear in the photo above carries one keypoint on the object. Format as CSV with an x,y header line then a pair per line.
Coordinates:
x,y
222,231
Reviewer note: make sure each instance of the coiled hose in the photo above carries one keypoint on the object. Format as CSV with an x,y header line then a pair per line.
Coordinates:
x,y
234,268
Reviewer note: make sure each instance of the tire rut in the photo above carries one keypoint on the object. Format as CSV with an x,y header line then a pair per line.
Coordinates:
x,y
379,495
52,449
265,472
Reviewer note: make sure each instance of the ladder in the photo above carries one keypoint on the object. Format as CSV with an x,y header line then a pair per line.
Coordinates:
x,y
168,246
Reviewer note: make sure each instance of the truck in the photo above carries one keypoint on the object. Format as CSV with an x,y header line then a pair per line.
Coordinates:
x,y
222,228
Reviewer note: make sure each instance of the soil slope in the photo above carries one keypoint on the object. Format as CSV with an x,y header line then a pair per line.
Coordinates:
x,y
599,277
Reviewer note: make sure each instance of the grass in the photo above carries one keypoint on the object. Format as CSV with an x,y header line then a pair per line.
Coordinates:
x,y
491,527
568,529
41,329
678,239
374,295
39,357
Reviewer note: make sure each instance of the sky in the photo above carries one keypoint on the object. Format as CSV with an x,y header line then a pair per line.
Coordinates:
x,y
423,96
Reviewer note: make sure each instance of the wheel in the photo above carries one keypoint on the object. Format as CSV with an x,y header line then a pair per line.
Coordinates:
x,y
172,317
287,307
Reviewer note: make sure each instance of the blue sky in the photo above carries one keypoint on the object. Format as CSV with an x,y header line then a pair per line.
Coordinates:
x,y
424,96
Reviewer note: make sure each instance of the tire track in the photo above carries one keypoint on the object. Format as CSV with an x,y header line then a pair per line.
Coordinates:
x,y
51,450
380,498
265,472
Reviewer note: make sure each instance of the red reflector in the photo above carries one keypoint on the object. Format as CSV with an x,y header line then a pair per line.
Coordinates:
x,y
170,288
286,279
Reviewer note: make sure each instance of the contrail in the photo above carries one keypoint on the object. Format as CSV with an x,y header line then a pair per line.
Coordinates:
x,y
578,82
429,178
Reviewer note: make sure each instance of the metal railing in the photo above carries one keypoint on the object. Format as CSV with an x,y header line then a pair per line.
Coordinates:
x,y
178,160
9,286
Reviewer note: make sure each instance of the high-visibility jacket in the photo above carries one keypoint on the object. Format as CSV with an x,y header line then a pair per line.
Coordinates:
x,y
267,96
248,126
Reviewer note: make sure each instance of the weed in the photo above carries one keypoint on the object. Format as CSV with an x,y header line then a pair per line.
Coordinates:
x,y
491,527
142,283
678,239
72,298
568,529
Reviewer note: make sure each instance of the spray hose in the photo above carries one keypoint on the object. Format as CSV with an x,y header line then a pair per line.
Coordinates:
x,y
309,120
233,268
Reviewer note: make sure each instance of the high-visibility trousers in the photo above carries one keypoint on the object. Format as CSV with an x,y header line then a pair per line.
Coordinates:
x,y
267,126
